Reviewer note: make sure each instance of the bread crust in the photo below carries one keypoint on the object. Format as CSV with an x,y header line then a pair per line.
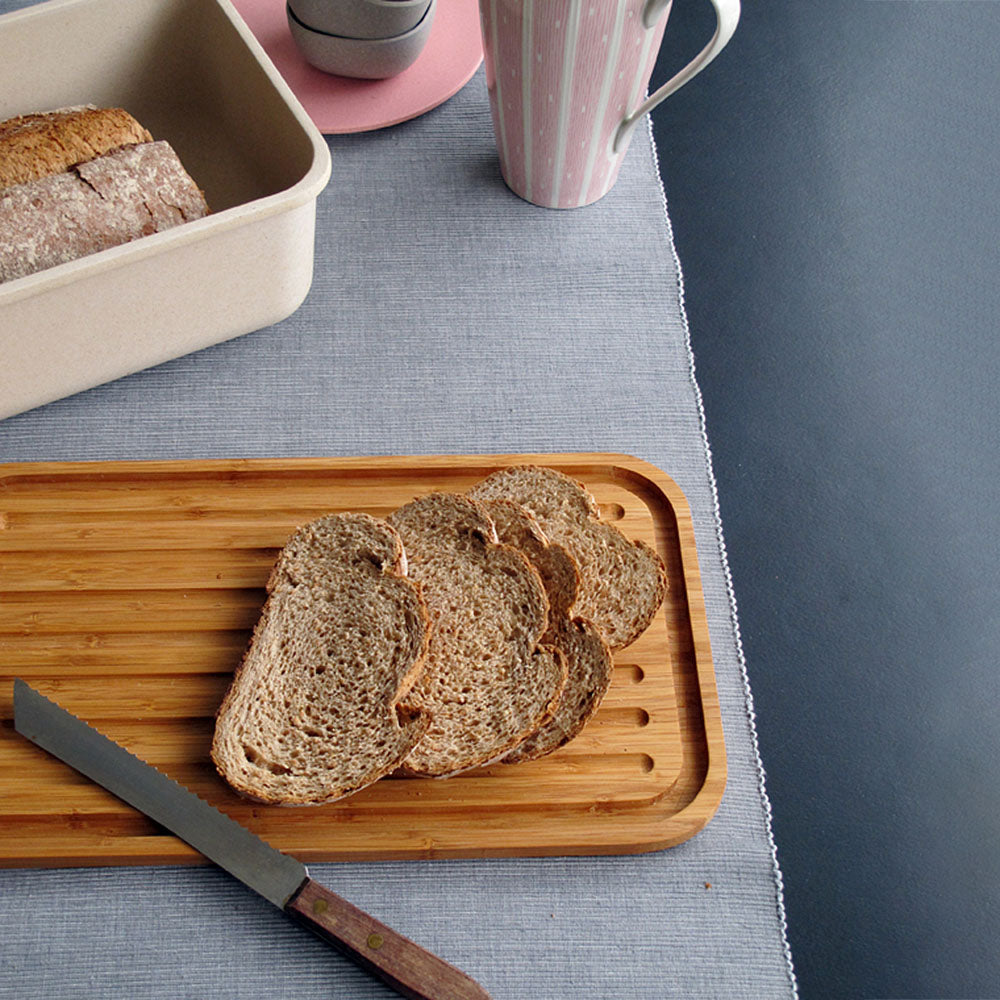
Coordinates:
x,y
78,180
116,198
49,142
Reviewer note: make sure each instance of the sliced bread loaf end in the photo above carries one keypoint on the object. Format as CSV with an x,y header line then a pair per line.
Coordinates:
x,y
622,583
488,681
315,711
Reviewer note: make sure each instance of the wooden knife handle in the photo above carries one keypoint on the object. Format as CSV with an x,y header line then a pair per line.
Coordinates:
x,y
409,969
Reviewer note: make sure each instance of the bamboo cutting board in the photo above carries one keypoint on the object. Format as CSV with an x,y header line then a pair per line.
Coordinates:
x,y
128,591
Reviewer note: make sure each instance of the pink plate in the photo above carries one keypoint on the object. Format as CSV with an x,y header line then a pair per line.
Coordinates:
x,y
338,104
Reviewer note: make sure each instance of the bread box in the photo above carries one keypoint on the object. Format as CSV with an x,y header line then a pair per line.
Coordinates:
x,y
193,74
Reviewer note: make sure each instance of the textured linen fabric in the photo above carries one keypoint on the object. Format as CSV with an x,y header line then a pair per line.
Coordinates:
x,y
446,315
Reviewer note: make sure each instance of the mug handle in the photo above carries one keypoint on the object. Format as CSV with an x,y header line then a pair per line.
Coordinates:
x,y
727,14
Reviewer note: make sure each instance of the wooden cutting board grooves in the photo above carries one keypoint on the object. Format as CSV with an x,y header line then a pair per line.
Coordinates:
x,y
128,591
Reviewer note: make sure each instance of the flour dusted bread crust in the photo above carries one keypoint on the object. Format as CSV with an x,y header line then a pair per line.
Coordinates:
x,y
318,708
488,681
49,142
588,658
622,583
79,180
131,192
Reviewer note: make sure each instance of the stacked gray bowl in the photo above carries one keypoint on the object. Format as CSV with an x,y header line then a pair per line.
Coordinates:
x,y
367,39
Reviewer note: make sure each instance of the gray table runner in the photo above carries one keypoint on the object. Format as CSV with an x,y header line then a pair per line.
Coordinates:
x,y
445,316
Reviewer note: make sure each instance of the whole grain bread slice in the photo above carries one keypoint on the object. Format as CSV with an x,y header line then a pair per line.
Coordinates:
x,y
588,658
317,708
622,583
488,681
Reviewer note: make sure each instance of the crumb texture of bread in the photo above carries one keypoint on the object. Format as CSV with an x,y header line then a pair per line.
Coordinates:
x,y
622,583
317,709
130,192
588,659
488,681
49,142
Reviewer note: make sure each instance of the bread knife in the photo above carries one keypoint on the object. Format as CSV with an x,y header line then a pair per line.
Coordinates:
x,y
409,969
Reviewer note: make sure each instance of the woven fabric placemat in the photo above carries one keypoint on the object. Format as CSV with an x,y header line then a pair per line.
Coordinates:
x,y
446,316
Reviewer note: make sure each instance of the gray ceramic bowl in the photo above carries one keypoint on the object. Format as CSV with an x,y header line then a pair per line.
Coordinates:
x,y
360,18
364,58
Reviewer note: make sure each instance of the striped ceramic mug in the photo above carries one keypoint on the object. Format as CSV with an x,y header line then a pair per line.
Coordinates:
x,y
566,80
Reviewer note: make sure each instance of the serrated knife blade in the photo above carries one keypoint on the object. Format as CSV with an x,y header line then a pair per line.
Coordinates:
x,y
409,969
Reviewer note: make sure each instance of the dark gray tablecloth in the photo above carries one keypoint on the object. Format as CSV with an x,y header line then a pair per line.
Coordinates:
x,y
445,316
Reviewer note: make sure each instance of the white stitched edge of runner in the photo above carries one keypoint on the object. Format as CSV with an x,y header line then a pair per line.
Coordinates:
x,y
734,616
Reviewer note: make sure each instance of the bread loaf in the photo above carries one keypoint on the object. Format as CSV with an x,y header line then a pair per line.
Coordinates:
x,y
49,142
318,708
131,192
622,583
488,682
588,658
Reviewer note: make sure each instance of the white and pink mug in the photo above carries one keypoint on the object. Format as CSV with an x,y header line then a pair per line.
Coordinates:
x,y
567,81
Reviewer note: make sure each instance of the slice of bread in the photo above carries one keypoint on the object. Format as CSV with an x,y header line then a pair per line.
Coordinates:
x,y
588,659
488,682
622,583
316,710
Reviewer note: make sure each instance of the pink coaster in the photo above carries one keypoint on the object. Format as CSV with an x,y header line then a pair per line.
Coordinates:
x,y
338,104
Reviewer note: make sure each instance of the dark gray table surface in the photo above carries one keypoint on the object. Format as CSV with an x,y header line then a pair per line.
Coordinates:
x,y
832,182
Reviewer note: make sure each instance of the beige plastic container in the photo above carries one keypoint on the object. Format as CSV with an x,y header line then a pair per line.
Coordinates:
x,y
193,74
